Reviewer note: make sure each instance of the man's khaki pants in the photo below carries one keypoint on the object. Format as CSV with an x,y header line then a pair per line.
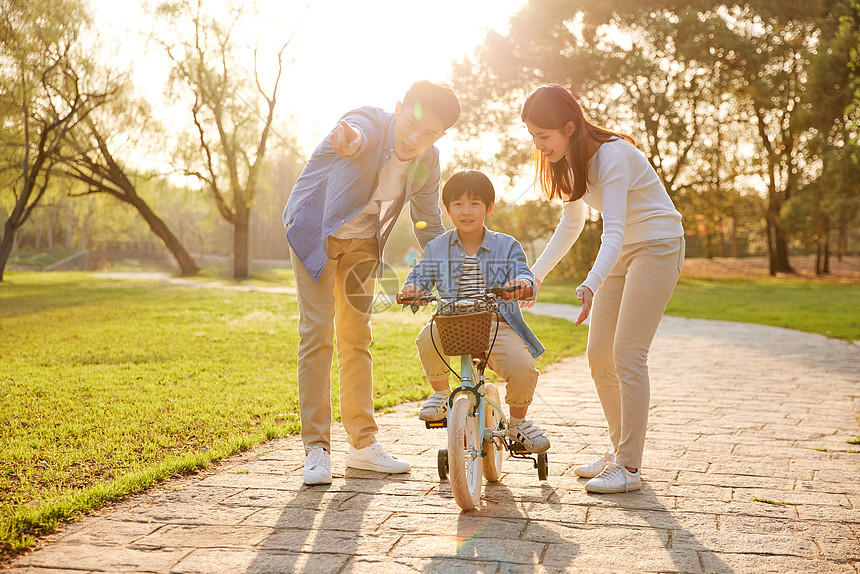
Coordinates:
x,y
509,358
624,318
340,305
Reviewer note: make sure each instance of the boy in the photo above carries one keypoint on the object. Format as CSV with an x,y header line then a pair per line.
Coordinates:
x,y
469,260
338,218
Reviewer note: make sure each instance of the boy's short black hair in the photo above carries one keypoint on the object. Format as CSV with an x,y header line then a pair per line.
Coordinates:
x,y
437,98
470,183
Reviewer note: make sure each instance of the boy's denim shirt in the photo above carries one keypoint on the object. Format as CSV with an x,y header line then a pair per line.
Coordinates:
x,y
333,189
501,259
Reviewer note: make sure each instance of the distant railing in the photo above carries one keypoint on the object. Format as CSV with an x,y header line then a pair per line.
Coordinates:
x,y
127,249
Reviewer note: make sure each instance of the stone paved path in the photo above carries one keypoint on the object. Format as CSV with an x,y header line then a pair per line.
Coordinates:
x,y
747,469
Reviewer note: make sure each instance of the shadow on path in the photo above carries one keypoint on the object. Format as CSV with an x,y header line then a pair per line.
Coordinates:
x,y
323,526
500,536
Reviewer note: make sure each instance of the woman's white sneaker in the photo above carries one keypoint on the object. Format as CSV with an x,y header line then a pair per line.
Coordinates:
x,y
596,467
614,479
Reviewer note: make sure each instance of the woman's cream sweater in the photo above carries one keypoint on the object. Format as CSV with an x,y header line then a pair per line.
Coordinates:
x,y
624,187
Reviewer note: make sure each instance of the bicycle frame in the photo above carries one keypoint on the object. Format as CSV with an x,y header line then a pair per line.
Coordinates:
x,y
471,382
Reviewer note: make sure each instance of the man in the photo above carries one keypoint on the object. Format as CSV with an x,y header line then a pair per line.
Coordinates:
x,y
338,218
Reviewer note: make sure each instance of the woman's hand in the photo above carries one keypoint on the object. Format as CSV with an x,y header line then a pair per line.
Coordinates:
x,y
585,295
527,304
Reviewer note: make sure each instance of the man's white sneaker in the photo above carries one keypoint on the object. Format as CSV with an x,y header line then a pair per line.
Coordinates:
x,y
435,409
530,436
614,478
317,466
596,467
375,458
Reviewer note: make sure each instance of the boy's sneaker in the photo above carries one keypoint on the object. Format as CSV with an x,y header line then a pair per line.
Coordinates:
x,y
435,409
317,466
530,436
596,467
375,458
614,478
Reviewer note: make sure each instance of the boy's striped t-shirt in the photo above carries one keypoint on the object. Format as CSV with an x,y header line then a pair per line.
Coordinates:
x,y
471,282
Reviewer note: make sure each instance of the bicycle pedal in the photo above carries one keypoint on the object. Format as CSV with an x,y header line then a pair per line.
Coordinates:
x,y
518,448
440,424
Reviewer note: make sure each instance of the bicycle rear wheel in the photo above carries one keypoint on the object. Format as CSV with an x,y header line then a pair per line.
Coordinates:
x,y
494,457
464,454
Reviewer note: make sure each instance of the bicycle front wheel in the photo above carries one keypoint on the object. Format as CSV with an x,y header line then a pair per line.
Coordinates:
x,y
464,454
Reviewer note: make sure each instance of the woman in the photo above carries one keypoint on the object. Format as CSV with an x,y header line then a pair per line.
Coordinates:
x,y
635,272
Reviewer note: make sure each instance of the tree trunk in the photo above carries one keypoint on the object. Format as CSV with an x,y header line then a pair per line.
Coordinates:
x,y
826,269
96,176
782,265
735,239
187,265
818,258
777,245
770,245
17,217
6,246
841,243
240,249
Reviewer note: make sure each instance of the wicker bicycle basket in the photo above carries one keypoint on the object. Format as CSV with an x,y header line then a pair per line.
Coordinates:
x,y
464,332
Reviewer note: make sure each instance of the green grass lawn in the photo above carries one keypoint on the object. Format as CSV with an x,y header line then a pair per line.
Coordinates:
x,y
107,387
824,307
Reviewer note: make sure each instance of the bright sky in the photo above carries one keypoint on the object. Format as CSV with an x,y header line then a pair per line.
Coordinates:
x,y
347,53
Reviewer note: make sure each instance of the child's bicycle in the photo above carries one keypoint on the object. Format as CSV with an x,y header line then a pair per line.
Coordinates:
x,y
477,427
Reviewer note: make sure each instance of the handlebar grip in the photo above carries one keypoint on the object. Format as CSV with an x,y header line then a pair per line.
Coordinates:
x,y
527,291
404,300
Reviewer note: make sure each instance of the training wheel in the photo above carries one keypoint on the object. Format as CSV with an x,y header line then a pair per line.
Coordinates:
x,y
542,466
442,463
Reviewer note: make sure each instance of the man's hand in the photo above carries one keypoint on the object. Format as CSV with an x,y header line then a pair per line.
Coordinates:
x,y
521,287
585,295
345,140
530,303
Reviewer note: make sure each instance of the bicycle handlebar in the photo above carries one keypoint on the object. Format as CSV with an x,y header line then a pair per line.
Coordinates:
x,y
401,300
495,291
498,291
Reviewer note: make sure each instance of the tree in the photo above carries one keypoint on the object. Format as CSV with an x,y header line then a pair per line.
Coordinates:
x,y
89,160
781,63
46,93
624,61
831,202
693,82
228,148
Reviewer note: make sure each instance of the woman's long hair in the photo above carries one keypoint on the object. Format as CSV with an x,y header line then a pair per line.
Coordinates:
x,y
551,107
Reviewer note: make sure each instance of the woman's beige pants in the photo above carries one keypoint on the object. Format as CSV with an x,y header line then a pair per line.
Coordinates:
x,y
624,318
